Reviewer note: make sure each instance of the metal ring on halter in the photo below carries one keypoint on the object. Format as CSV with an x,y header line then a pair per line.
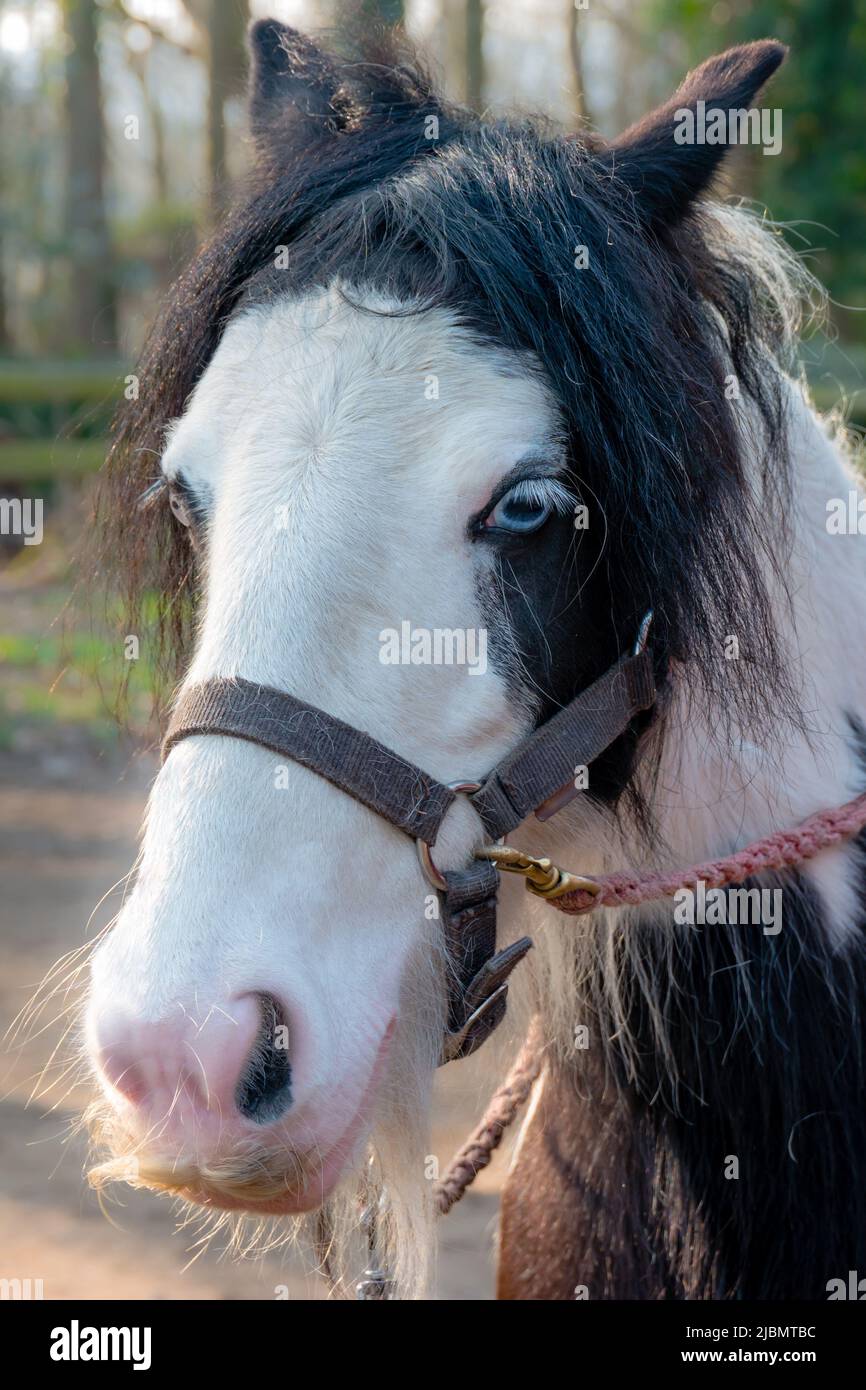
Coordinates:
x,y
425,855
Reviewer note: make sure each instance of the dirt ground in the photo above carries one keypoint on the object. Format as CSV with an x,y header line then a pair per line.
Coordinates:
x,y
68,826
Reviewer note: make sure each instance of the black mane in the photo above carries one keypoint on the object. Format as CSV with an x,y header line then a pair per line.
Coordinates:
x,y
484,219
371,180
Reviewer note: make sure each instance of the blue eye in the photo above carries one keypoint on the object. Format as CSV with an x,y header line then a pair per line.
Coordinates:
x,y
520,515
528,505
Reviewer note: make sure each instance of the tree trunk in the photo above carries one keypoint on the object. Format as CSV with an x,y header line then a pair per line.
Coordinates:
x,y
575,54
93,310
475,54
227,64
462,30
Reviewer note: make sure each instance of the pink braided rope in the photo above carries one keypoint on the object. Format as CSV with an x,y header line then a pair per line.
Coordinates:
x,y
782,850
501,1112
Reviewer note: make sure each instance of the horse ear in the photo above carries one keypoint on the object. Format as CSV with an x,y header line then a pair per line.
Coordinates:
x,y
665,168
290,80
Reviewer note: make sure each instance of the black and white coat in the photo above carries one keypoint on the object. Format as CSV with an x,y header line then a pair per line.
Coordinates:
x,y
379,396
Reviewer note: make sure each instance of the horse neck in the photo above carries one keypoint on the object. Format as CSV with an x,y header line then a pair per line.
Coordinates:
x,y
714,794
710,792
724,1042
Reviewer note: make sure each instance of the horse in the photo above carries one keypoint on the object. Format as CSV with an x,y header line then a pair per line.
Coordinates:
x,y
442,373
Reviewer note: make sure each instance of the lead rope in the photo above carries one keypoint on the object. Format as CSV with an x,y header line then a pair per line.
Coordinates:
x,y
501,1112
784,849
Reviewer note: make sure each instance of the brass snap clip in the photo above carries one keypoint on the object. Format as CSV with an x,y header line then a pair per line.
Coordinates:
x,y
543,878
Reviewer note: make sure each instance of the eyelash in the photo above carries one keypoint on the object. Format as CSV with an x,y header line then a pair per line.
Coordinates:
x,y
541,492
533,492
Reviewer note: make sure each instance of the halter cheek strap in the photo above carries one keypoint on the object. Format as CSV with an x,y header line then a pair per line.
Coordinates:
x,y
539,776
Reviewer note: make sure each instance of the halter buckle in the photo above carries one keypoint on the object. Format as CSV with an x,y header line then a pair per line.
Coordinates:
x,y
543,878
454,1041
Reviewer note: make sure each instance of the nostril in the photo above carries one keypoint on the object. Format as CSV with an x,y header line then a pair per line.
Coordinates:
x,y
264,1091
122,1070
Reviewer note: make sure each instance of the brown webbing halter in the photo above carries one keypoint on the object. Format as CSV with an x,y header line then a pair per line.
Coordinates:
x,y
538,776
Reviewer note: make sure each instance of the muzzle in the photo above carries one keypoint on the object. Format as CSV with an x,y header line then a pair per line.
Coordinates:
x,y
536,778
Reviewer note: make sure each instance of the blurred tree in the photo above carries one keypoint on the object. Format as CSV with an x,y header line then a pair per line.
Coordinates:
x,y
140,58
463,50
139,63
391,11
643,63
475,54
575,55
222,25
820,175
93,307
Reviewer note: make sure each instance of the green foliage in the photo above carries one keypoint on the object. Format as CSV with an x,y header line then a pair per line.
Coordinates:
x,y
818,182
56,668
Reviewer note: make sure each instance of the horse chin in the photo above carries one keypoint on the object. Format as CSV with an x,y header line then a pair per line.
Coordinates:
x,y
269,1181
301,1192
296,1199
258,1179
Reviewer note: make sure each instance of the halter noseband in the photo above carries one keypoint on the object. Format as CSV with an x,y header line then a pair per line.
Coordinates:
x,y
538,776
